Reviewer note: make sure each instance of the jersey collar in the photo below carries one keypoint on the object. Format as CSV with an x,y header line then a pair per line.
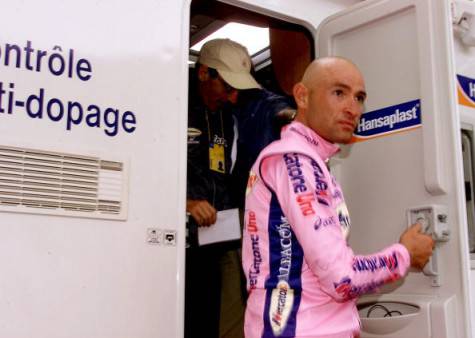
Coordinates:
x,y
324,148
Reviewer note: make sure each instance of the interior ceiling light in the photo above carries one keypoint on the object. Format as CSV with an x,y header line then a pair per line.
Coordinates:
x,y
254,38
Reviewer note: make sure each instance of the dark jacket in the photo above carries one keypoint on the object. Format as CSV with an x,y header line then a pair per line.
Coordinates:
x,y
258,125
202,182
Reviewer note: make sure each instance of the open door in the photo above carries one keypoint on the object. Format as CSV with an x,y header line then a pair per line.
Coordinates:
x,y
405,163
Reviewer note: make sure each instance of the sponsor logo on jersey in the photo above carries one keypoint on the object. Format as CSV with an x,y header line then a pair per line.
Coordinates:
x,y
343,218
306,137
323,222
374,263
347,290
281,307
389,120
337,195
252,222
255,268
285,235
343,287
295,173
251,181
282,296
321,185
305,203
283,283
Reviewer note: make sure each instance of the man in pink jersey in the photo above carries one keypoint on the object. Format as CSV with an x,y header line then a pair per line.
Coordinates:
x,y
303,278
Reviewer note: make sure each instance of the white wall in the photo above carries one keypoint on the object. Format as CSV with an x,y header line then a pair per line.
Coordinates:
x,y
74,277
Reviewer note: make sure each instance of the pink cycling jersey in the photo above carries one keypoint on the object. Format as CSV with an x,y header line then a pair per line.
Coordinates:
x,y
302,277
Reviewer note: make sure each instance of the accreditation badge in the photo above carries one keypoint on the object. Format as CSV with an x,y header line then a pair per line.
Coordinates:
x,y
216,157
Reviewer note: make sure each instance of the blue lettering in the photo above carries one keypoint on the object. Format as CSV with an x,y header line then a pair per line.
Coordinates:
x,y
71,112
295,173
372,264
255,269
321,185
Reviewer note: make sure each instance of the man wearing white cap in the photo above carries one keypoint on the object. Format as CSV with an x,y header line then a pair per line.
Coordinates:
x,y
224,86
260,113
232,62
210,141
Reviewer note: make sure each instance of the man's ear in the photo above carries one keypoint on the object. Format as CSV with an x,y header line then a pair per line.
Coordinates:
x,y
203,74
300,95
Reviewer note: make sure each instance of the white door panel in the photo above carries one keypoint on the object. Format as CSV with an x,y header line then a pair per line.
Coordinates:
x,y
464,62
405,51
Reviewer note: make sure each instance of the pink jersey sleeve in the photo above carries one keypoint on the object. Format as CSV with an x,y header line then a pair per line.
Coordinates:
x,y
304,191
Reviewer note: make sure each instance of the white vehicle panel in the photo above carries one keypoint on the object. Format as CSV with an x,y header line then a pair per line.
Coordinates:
x,y
75,277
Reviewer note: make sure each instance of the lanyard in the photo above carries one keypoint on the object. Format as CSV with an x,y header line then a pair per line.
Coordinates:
x,y
209,129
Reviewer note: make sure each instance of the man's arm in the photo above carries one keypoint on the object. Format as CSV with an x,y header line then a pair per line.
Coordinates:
x,y
342,274
199,180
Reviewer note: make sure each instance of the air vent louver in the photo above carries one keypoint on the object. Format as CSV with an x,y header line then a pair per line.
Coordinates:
x,y
62,184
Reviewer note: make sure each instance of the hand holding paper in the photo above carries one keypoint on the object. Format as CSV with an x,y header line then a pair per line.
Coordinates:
x,y
226,228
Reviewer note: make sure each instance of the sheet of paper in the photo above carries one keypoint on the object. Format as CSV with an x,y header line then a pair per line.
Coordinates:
x,y
226,228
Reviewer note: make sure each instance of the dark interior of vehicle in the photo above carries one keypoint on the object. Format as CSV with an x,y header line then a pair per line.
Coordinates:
x,y
277,67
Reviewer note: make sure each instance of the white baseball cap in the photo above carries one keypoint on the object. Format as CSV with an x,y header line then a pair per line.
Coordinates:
x,y
231,60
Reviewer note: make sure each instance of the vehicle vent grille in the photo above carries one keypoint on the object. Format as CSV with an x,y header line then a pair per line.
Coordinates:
x,y
75,185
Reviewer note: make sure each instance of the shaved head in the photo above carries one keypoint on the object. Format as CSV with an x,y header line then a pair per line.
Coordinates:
x,y
330,98
316,70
